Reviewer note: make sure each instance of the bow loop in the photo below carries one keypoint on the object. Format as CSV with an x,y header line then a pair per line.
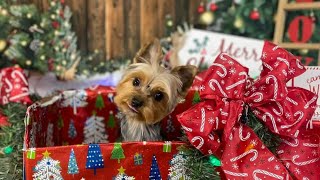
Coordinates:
x,y
226,78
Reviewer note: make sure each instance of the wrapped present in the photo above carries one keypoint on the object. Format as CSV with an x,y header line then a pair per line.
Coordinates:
x,y
76,134
31,153
167,146
14,86
214,126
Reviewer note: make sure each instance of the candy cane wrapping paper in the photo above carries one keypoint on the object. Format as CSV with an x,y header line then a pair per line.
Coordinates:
x,y
226,89
13,86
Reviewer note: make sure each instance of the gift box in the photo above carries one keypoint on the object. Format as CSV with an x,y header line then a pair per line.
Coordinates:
x,y
167,146
76,134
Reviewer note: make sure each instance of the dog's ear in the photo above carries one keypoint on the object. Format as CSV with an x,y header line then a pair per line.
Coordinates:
x,y
186,74
149,53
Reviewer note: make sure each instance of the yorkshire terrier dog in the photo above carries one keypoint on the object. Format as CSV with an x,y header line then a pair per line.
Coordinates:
x,y
148,92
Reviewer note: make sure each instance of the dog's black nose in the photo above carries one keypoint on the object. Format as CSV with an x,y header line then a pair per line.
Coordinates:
x,y
136,103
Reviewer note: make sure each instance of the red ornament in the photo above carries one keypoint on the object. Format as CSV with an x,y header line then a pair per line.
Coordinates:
x,y
51,64
307,29
3,120
61,13
62,1
201,8
255,15
55,24
213,7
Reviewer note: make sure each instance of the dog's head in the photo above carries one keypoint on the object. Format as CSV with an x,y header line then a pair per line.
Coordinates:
x,y
147,91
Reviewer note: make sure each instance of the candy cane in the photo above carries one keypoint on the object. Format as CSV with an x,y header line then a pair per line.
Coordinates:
x,y
260,171
200,143
299,64
18,73
305,178
211,137
186,128
304,162
255,152
275,85
310,145
222,75
222,56
203,119
275,48
310,102
284,72
18,96
271,158
217,122
295,144
268,66
239,82
284,60
260,96
298,120
10,87
240,134
280,112
218,84
264,118
236,174
230,137
292,101
309,124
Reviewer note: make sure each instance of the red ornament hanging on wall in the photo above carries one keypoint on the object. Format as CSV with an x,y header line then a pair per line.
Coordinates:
x,y
213,7
255,15
307,29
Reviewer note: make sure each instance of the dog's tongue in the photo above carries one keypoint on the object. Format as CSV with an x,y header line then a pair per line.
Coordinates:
x,y
133,109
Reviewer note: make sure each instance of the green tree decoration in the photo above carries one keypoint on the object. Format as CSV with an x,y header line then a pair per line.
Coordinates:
x,y
60,122
117,152
99,102
111,121
73,166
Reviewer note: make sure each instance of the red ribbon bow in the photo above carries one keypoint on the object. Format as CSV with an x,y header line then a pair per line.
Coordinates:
x,y
226,90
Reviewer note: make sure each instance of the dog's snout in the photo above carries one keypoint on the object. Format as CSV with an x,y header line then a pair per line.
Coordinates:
x,y
136,103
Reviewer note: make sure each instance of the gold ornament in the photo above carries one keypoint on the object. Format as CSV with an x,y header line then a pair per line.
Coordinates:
x,y
64,49
207,18
43,57
29,15
24,43
28,62
4,12
53,3
73,56
56,33
238,23
41,43
3,45
64,62
303,51
170,23
58,68
53,16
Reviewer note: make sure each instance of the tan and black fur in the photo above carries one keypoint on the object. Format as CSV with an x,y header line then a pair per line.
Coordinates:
x,y
148,92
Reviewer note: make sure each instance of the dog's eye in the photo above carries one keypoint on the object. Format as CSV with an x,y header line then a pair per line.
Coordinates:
x,y
158,96
136,82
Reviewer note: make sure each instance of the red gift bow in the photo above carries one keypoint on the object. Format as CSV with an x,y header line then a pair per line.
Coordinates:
x,y
226,90
13,86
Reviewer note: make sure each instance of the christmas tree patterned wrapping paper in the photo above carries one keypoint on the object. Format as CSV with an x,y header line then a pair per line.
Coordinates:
x,y
75,135
98,161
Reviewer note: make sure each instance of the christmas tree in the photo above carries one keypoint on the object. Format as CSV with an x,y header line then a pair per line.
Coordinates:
x,y
75,99
72,132
99,102
111,121
117,152
154,170
94,158
94,130
47,168
177,170
72,166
